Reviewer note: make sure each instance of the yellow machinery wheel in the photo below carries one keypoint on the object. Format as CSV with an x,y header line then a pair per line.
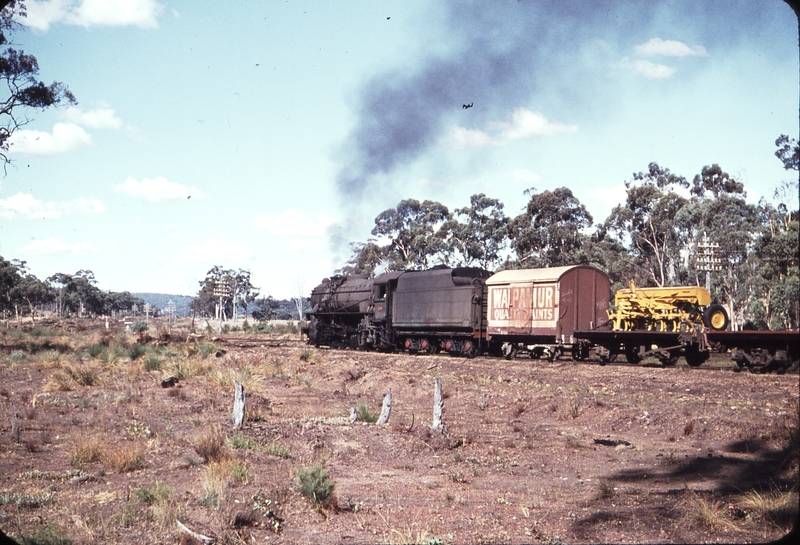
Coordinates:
x,y
716,317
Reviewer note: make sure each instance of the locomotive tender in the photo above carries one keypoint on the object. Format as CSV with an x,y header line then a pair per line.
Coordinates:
x,y
545,313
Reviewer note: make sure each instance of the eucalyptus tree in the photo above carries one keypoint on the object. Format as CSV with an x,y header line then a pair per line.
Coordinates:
x,y
240,292
552,230
717,213
416,234
22,91
646,223
365,257
482,236
77,293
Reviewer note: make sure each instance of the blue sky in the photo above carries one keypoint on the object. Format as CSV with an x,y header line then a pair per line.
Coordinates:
x,y
266,135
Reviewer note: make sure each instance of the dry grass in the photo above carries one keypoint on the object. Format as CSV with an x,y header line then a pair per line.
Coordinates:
x,y
87,449
226,377
183,369
59,381
215,481
82,374
210,444
125,458
710,514
774,505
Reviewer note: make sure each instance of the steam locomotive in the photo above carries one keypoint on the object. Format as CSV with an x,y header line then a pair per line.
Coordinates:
x,y
545,313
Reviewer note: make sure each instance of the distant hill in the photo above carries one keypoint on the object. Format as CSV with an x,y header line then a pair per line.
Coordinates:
x,y
160,300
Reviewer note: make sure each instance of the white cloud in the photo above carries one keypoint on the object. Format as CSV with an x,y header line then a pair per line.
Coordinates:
x,y
65,137
648,69
158,189
26,206
103,117
526,176
89,13
294,223
215,251
462,138
54,246
524,124
669,48
602,200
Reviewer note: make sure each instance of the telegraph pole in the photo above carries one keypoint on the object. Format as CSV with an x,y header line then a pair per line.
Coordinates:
x,y
707,260
170,308
223,291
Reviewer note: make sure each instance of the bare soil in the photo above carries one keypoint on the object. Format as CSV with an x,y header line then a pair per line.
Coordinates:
x,y
533,452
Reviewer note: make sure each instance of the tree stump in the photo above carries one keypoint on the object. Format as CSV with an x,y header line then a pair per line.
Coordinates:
x,y
387,408
238,406
438,406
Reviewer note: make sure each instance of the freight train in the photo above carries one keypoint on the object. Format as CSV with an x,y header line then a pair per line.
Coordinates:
x,y
544,313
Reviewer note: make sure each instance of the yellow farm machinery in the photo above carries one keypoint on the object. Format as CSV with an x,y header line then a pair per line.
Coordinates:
x,y
679,308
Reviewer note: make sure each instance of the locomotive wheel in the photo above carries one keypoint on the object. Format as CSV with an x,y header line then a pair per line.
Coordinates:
x,y
716,317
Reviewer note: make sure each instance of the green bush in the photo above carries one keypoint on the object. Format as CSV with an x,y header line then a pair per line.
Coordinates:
x,y
135,351
364,415
154,494
18,355
95,350
152,362
205,349
315,484
139,326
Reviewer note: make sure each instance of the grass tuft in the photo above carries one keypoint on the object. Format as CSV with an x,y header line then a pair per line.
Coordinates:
x,y
87,449
124,459
315,484
363,414
154,494
210,444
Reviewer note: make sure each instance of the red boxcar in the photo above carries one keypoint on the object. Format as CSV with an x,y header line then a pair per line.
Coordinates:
x,y
546,305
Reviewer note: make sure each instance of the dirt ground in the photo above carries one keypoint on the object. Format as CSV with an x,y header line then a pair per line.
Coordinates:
x,y
94,450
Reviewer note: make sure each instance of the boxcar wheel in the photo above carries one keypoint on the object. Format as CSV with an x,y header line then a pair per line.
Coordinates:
x,y
632,354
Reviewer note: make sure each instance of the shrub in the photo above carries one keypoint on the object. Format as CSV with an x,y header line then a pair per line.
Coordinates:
x,y
95,350
152,362
45,535
18,356
139,326
315,484
278,450
135,351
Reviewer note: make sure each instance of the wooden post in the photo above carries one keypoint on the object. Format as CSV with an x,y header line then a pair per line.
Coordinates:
x,y
438,406
387,408
238,406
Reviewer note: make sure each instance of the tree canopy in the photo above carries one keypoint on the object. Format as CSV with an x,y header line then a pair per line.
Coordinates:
x,y
22,90
654,237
